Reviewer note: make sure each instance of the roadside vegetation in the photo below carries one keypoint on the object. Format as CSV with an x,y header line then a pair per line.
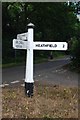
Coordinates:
x,y
37,59
48,102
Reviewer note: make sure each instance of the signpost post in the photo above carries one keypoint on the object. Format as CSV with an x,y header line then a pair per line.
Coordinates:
x,y
25,41
29,63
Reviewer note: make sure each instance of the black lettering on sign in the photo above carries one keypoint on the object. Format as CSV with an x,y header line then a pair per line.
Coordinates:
x,y
37,45
51,45
55,45
19,42
46,45
16,42
18,46
63,45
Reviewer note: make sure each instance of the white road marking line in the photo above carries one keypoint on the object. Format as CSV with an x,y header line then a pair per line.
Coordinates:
x,y
39,75
36,80
3,85
6,84
22,85
63,71
67,58
15,82
57,70
53,71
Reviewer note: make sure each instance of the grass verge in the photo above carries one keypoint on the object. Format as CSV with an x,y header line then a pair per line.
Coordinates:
x,y
48,102
36,61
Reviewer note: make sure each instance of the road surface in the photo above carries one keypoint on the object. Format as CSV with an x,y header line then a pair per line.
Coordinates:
x,y
51,71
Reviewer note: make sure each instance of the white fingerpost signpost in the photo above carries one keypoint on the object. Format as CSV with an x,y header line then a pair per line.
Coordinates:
x,y
29,63
25,41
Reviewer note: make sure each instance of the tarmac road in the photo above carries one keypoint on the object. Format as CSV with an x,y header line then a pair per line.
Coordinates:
x,y
51,71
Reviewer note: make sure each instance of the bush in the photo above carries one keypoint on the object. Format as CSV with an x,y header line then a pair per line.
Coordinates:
x,y
75,51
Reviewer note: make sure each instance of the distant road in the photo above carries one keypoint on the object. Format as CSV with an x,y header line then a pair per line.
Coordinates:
x,y
50,71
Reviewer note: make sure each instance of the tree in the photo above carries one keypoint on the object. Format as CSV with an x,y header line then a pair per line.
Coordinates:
x,y
51,22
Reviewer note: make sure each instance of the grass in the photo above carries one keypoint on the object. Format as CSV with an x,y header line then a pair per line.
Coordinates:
x,y
36,61
12,64
48,102
72,68
22,63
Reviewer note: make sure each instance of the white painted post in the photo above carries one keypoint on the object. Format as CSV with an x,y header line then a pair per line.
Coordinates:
x,y
29,63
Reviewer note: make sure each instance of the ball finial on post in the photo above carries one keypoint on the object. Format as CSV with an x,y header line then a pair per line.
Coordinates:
x,y
30,25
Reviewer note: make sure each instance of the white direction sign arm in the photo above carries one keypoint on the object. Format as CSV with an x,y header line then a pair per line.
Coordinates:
x,y
22,36
19,44
50,45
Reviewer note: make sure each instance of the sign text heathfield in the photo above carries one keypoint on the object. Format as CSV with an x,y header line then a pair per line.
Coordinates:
x,y
49,45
